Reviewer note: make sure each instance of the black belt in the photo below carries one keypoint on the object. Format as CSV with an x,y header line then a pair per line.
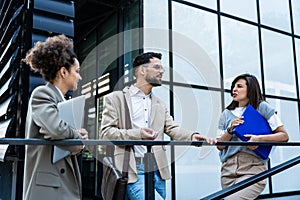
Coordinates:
x,y
139,159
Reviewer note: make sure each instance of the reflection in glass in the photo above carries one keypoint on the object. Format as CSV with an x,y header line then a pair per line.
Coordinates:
x,y
156,30
107,56
278,64
296,16
228,98
131,38
108,47
240,50
245,9
297,43
88,58
197,110
206,3
163,92
281,154
195,42
275,13
156,14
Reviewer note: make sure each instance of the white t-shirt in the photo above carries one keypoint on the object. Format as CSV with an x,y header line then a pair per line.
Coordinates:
x,y
274,120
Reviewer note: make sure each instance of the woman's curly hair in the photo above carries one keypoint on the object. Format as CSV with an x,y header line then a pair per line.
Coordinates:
x,y
50,56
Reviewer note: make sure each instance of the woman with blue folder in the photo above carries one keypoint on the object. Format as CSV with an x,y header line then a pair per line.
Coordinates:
x,y
242,162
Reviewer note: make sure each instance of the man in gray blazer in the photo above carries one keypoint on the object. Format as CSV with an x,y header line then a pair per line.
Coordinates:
x,y
150,120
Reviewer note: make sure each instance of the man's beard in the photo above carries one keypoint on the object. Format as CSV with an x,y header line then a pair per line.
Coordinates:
x,y
153,81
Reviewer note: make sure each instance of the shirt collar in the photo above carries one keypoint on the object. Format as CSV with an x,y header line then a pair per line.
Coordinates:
x,y
61,94
135,91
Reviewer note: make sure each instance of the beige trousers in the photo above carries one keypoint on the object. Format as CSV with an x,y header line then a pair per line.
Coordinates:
x,y
238,168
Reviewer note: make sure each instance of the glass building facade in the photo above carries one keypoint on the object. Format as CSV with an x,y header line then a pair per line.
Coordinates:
x,y
205,45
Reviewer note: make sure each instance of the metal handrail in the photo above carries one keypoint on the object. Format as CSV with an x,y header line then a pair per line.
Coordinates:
x,y
33,141
245,183
149,143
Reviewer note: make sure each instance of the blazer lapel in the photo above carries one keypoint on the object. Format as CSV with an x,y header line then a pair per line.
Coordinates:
x,y
59,99
57,93
126,93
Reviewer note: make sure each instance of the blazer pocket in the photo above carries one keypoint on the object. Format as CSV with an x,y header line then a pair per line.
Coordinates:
x,y
47,179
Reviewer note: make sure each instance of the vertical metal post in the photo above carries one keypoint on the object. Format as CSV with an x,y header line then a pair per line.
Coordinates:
x,y
149,174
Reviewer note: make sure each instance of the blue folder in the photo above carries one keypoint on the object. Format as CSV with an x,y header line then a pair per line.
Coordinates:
x,y
255,124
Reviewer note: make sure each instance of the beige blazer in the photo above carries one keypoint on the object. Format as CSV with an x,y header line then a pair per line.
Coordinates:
x,y
113,128
42,179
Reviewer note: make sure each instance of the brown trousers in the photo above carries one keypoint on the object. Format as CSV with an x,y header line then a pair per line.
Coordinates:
x,y
238,168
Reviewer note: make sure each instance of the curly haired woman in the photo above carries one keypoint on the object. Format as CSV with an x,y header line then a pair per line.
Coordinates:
x,y
58,65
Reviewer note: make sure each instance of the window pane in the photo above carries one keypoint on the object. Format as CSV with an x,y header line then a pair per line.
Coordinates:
x,y
278,64
156,14
275,13
228,98
131,37
195,46
156,30
163,92
296,16
245,9
240,50
87,84
107,49
282,154
88,62
206,3
297,43
197,110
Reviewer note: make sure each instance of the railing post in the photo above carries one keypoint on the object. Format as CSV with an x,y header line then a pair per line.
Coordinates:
x,y
149,174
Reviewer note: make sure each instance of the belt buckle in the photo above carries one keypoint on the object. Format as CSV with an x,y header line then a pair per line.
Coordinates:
x,y
139,160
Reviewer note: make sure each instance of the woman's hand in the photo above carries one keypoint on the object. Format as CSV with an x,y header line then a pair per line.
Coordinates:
x,y
228,133
84,133
236,122
252,138
84,136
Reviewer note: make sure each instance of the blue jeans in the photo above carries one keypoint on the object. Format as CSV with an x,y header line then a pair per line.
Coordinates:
x,y
136,191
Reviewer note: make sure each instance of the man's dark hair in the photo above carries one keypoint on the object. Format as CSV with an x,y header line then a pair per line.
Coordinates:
x,y
143,59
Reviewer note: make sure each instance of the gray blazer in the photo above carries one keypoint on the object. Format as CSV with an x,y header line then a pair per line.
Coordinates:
x,y
113,128
42,179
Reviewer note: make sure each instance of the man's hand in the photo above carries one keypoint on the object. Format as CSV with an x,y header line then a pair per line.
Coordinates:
x,y
148,134
78,149
197,137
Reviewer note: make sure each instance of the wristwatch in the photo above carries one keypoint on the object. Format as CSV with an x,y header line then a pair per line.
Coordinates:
x,y
229,131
